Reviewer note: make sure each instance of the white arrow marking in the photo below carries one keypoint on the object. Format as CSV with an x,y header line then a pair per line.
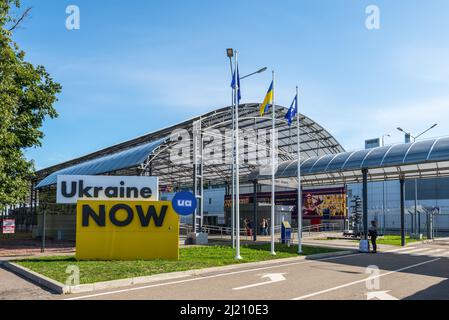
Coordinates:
x,y
381,295
274,277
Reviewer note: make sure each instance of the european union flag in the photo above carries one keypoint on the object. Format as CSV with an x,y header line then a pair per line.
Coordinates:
x,y
292,111
236,79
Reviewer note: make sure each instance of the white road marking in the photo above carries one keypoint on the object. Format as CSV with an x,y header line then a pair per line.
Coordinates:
x,y
413,251
380,295
363,280
210,277
425,253
400,249
274,277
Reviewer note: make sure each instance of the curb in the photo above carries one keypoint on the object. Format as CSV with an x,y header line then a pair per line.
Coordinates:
x,y
82,288
34,277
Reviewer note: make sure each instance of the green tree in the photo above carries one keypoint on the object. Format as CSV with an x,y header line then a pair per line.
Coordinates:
x,y
27,95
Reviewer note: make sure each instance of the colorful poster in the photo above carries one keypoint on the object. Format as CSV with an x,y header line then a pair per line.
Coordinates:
x,y
317,204
325,203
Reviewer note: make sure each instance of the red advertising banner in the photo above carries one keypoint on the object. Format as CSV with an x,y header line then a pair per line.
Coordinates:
x,y
9,226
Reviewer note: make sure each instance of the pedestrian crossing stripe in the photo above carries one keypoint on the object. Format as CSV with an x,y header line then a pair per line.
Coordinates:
x,y
412,251
445,254
401,249
424,253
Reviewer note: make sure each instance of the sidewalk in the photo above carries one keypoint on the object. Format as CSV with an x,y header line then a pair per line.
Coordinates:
x,y
343,243
14,287
318,241
27,247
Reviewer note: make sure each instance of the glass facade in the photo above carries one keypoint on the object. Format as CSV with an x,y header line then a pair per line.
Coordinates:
x,y
384,204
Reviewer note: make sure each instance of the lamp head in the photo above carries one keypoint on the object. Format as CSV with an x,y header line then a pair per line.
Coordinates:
x,y
230,52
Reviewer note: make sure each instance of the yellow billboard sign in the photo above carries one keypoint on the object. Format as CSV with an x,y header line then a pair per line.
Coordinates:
x,y
126,230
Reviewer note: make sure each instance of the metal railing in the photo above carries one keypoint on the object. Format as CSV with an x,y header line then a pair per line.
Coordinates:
x,y
224,231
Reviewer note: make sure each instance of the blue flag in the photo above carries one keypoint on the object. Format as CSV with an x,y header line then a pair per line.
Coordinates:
x,y
236,80
292,111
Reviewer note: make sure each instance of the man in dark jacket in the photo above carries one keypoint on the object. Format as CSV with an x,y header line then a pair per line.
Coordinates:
x,y
373,234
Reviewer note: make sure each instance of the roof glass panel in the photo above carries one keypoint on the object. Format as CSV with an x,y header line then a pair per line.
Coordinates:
x,y
291,169
282,166
356,159
440,150
322,163
338,162
419,151
307,165
396,154
375,157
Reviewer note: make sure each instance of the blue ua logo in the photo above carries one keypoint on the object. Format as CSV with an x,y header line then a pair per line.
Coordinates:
x,y
184,203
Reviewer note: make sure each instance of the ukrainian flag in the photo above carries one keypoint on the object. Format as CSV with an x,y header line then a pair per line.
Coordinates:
x,y
267,102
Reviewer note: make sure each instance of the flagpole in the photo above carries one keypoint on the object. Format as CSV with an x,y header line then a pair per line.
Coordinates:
x,y
233,171
299,204
273,145
237,165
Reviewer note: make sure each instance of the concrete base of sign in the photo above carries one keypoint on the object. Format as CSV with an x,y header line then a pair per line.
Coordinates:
x,y
197,238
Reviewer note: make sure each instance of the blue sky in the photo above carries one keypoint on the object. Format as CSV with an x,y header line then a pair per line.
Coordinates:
x,y
138,66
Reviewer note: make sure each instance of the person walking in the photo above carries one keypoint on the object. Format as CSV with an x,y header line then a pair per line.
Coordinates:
x,y
245,225
249,231
264,227
372,232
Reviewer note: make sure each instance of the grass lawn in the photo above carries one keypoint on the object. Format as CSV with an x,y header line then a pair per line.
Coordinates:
x,y
395,240
190,258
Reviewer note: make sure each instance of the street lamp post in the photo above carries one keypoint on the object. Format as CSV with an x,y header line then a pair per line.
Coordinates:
x,y
253,73
235,153
408,134
230,54
237,163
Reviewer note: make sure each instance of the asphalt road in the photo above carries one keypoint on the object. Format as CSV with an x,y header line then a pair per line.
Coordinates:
x,y
414,272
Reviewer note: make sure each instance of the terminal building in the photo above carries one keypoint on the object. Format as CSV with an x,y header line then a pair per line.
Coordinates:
x,y
331,176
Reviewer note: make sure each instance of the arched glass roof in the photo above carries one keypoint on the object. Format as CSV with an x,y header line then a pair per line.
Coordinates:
x,y
316,141
110,163
421,158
